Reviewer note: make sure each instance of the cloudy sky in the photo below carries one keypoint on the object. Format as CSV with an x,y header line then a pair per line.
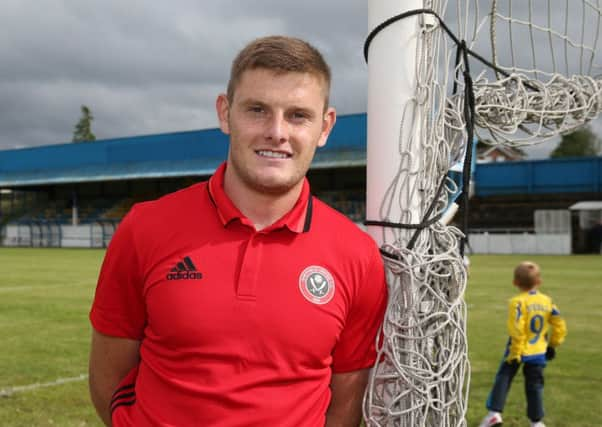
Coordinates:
x,y
153,66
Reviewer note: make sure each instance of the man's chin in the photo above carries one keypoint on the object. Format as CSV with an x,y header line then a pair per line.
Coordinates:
x,y
274,186
274,189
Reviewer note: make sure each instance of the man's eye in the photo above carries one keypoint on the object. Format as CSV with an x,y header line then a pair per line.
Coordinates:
x,y
256,109
299,116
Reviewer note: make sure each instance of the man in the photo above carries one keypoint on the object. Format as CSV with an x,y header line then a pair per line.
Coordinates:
x,y
242,301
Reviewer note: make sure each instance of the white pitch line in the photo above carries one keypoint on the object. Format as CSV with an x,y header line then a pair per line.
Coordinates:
x,y
5,392
29,288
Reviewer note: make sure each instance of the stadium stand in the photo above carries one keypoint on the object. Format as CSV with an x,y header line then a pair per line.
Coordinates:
x,y
75,194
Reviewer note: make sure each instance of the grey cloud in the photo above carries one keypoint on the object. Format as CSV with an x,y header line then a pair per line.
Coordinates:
x,y
142,67
149,67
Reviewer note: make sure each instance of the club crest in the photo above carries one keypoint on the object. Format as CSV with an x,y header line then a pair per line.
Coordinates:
x,y
316,284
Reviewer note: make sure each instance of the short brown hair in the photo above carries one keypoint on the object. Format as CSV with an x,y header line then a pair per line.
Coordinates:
x,y
279,54
526,275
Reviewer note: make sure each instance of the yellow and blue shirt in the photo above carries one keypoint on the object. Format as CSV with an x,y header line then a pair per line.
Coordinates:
x,y
534,323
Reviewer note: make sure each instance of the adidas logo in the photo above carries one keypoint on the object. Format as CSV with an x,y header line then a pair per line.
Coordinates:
x,y
185,269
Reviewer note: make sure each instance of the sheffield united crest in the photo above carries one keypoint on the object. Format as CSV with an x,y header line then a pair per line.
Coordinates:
x,y
316,284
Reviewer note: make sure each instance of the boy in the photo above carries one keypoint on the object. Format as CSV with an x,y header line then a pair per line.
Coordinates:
x,y
530,316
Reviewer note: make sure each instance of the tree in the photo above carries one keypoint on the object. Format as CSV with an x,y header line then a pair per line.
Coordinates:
x,y
581,143
83,128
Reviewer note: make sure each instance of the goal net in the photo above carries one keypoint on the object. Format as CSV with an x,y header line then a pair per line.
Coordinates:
x,y
441,75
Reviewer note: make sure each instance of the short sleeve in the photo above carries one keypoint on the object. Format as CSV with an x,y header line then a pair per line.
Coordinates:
x,y
356,348
118,307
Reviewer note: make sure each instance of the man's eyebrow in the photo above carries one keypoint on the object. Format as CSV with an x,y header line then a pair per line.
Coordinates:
x,y
252,101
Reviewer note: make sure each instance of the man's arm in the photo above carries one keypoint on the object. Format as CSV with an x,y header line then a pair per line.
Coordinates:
x,y
347,390
111,358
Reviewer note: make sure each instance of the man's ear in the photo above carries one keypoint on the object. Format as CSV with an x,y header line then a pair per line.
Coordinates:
x,y
222,107
330,118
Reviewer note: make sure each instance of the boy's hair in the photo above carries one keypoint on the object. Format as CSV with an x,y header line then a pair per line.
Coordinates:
x,y
280,54
526,275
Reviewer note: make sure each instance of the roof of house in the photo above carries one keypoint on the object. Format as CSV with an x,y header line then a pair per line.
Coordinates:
x,y
594,205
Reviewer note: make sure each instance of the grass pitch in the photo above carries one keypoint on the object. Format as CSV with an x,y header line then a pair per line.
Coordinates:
x,y
574,378
45,296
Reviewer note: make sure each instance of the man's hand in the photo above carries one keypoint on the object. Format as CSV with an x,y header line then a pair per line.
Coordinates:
x,y
550,353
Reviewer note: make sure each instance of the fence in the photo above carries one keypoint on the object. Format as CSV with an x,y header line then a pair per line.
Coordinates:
x,y
98,235
520,243
54,235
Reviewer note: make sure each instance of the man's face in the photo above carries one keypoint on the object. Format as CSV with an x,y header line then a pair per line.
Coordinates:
x,y
275,122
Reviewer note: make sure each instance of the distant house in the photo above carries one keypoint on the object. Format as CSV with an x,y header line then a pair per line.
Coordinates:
x,y
498,153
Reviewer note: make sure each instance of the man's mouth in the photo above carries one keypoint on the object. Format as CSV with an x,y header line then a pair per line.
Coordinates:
x,y
273,154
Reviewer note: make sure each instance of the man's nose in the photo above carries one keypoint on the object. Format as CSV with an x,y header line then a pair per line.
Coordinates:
x,y
277,128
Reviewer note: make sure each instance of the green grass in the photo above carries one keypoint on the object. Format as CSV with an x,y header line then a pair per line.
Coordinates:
x,y
574,378
45,296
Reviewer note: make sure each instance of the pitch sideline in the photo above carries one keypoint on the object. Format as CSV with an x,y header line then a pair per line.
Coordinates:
x,y
9,391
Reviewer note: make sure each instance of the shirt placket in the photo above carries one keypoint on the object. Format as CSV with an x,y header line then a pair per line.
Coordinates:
x,y
250,268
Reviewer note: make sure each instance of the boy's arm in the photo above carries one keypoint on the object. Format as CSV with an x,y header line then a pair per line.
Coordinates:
x,y
516,330
558,328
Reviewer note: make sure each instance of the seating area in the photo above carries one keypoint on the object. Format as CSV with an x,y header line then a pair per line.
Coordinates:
x,y
49,212
89,211
350,203
117,210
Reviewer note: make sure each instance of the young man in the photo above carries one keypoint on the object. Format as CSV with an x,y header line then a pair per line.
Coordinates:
x,y
531,318
242,301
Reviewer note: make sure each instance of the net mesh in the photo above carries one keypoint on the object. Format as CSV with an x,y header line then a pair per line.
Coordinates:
x,y
548,48
543,83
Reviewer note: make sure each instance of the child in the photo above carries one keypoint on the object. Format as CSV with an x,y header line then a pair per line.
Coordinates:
x,y
530,316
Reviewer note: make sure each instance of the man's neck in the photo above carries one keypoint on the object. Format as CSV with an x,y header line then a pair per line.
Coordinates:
x,y
262,209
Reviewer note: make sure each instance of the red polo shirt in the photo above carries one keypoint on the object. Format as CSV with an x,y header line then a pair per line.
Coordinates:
x,y
238,327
